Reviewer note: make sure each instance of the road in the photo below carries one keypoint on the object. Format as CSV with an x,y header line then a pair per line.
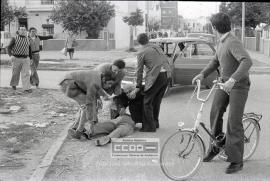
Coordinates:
x,y
87,162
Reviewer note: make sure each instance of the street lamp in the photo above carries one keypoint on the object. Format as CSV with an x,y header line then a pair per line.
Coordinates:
x,y
243,21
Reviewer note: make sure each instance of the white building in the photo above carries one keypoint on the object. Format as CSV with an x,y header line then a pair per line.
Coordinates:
x,y
39,11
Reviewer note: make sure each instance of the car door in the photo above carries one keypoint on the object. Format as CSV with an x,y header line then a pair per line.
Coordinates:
x,y
194,57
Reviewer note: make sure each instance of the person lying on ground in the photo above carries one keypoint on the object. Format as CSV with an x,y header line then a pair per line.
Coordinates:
x,y
85,87
128,112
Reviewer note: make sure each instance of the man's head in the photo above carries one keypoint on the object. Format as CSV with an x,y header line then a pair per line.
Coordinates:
x,y
32,31
107,81
142,39
118,65
221,23
22,31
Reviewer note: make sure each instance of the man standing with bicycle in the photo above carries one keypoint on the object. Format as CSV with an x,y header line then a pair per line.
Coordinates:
x,y
234,63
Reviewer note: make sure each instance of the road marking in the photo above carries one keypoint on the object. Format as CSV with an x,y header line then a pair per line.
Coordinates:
x,y
45,164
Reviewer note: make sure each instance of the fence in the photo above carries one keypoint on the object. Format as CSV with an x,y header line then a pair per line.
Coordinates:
x,y
258,44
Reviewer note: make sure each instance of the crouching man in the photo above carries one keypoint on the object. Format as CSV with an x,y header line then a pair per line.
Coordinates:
x,y
85,87
128,112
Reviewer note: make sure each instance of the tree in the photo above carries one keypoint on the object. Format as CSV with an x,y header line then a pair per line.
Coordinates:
x,y
8,14
83,15
256,13
135,19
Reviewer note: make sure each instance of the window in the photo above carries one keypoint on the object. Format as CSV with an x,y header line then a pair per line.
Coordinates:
x,y
198,51
111,36
47,2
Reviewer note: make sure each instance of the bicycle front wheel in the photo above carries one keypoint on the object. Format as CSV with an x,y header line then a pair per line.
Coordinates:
x,y
181,155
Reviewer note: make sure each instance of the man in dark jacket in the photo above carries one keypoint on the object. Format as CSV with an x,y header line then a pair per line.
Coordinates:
x,y
158,72
235,63
35,48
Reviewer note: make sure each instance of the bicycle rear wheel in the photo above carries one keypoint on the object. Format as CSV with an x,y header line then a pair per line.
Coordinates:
x,y
251,139
181,155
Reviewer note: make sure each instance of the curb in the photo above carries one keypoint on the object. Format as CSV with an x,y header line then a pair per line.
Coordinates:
x,y
46,162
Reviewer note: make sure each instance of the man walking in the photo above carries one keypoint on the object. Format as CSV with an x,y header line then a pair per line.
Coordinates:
x,y
158,72
19,49
35,43
235,63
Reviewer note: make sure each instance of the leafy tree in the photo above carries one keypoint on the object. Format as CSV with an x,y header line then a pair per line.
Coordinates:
x,y
135,19
255,13
8,14
83,15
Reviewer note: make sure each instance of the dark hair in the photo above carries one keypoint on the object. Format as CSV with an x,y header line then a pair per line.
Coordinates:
x,y
142,39
32,28
106,76
119,63
221,22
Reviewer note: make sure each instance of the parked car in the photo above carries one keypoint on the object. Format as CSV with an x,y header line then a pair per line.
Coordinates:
x,y
210,37
187,57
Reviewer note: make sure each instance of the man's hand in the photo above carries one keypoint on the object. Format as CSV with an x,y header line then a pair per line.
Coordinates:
x,y
197,77
132,94
228,85
122,111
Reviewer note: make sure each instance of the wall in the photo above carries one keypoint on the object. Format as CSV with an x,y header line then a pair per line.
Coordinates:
x,y
83,45
265,46
250,43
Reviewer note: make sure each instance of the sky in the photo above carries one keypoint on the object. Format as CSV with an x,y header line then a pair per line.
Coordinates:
x,y
195,9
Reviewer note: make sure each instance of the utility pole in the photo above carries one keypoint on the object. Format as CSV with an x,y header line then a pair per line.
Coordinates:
x,y
243,21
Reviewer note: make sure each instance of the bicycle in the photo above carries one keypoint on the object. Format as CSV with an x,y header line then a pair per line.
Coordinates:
x,y
182,153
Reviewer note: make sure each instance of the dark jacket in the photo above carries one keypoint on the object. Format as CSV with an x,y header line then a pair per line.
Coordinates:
x,y
135,106
153,58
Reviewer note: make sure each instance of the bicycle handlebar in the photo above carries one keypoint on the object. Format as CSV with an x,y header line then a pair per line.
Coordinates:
x,y
216,82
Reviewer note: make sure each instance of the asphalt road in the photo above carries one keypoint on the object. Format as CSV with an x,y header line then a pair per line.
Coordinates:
x,y
95,163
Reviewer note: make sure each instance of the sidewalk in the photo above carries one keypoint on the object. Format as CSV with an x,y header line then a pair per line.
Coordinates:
x,y
259,57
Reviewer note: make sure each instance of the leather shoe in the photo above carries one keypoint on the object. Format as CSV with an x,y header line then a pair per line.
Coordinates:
x,y
210,156
234,167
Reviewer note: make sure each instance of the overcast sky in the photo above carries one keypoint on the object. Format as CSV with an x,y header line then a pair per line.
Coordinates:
x,y
195,9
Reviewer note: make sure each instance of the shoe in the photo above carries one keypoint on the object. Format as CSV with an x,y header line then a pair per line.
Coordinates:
x,y
75,134
234,167
210,155
148,130
27,91
13,87
103,141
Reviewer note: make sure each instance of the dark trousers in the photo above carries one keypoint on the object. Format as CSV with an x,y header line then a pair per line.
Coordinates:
x,y
34,80
152,100
234,146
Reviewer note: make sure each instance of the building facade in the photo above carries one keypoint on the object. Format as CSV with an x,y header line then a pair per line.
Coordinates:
x,y
169,15
39,12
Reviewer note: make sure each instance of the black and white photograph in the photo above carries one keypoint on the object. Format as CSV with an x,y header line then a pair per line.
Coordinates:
x,y
134,90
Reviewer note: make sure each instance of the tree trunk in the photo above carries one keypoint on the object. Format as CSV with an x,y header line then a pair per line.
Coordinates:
x,y
131,42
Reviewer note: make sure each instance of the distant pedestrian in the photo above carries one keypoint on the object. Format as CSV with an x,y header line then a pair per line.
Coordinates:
x,y
70,44
20,51
158,72
35,43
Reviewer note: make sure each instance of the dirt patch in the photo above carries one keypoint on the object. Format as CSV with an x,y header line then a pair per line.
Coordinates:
x,y
27,133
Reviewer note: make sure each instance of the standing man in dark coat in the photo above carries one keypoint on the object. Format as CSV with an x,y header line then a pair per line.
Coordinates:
x,y
35,48
235,63
158,72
